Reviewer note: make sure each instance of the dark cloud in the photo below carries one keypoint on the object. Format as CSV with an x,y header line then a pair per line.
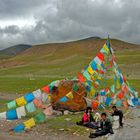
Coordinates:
x,y
62,20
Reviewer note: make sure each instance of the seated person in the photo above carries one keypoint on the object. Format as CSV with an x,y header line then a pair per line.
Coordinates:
x,y
119,113
105,127
87,119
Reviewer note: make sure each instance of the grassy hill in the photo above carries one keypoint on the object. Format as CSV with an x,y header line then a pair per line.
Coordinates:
x,y
14,50
41,64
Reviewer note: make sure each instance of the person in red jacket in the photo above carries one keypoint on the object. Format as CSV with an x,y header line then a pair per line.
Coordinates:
x,y
87,119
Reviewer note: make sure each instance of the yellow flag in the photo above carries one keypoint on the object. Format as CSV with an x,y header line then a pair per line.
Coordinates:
x,y
91,71
29,123
69,95
118,85
106,48
21,101
92,92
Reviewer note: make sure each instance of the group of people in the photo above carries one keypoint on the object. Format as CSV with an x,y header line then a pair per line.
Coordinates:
x,y
101,123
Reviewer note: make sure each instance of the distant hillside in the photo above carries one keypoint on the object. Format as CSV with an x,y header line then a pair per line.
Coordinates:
x,y
14,50
41,64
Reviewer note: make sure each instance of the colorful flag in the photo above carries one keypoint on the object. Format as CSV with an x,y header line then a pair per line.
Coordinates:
x,y
29,123
21,101
70,95
21,112
30,107
12,104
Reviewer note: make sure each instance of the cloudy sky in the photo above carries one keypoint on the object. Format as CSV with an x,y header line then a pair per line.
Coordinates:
x,y
43,21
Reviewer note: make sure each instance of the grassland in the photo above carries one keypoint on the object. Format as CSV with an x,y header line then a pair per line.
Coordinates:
x,y
41,64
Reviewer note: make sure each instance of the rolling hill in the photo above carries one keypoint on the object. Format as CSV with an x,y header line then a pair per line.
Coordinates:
x,y
14,50
40,64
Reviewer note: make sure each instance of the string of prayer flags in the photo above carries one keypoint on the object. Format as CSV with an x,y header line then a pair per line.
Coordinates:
x,y
29,97
29,123
21,101
11,105
70,95
21,112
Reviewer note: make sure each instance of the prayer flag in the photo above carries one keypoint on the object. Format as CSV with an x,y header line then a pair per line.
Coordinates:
x,y
40,117
46,89
80,77
95,104
30,107
97,60
93,65
3,116
29,97
21,101
11,115
90,70
19,128
11,105
86,74
64,99
75,87
70,95
29,123
37,94
21,112
100,56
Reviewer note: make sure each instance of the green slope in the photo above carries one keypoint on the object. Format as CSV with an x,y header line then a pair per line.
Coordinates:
x,y
41,64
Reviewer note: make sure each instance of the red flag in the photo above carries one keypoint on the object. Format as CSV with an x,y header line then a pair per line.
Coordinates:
x,y
46,89
80,77
120,95
95,104
101,56
124,79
